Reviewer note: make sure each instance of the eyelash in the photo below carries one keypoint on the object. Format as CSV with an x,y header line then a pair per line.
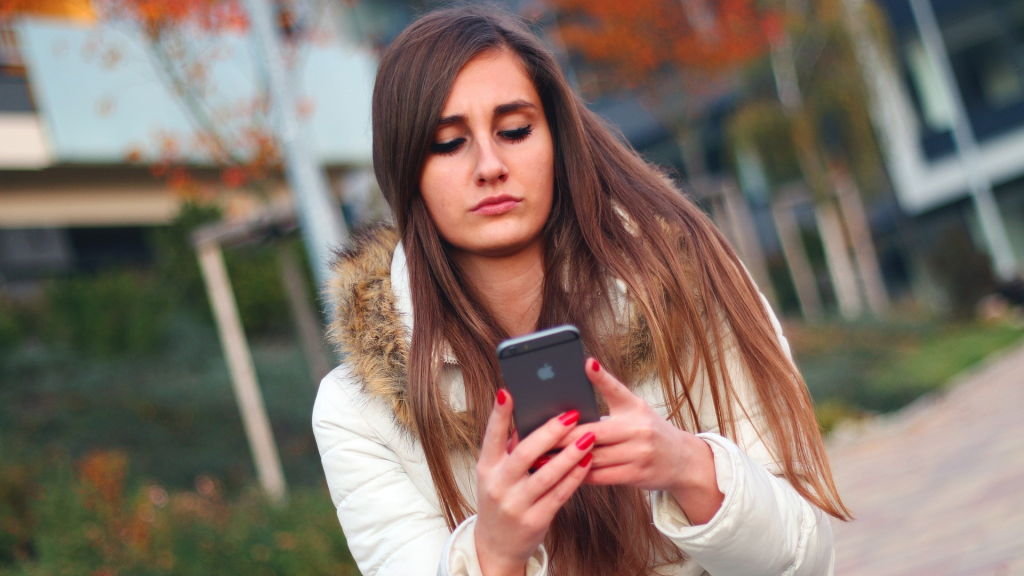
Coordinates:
x,y
446,148
514,136
518,134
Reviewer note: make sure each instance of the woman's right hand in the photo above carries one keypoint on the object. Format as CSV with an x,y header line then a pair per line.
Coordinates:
x,y
515,508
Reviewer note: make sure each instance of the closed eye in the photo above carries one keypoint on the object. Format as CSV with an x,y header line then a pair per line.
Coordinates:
x,y
446,148
517,134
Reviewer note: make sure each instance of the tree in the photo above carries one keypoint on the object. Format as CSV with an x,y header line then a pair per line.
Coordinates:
x,y
186,38
642,37
707,48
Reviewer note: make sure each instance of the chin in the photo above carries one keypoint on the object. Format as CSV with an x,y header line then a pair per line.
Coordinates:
x,y
498,245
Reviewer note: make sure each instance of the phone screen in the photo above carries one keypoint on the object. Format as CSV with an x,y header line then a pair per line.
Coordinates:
x,y
544,373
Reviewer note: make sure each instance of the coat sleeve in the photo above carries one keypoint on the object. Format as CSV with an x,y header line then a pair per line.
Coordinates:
x,y
392,529
764,526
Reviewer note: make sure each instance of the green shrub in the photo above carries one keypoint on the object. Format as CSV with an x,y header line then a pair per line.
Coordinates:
x,y
255,275
114,312
125,312
831,412
10,331
175,258
253,269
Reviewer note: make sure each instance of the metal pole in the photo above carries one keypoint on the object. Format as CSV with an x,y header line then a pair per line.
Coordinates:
x,y
243,373
323,228
978,181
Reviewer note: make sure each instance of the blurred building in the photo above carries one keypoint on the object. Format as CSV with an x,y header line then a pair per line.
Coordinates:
x,y
85,110
985,41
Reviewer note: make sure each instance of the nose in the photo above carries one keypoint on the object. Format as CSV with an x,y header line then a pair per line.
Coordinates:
x,y
490,168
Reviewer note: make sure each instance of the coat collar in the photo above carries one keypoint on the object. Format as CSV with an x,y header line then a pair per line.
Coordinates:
x,y
402,291
373,318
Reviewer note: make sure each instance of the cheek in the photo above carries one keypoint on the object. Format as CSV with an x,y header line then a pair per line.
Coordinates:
x,y
541,172
436,188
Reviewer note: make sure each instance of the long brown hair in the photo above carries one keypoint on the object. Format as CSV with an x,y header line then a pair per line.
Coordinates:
x,y
614,217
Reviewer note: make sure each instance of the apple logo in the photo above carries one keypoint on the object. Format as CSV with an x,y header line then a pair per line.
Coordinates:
x,y
546,372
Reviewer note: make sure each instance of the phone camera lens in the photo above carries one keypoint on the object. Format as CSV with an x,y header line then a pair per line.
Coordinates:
x,y
512,350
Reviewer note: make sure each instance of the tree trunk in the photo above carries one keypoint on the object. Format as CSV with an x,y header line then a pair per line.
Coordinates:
x,y
721,217
844,278
852,207
837,257
796,259
744,237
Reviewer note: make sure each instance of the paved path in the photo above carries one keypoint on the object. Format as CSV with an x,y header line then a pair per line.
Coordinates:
x,y
938,488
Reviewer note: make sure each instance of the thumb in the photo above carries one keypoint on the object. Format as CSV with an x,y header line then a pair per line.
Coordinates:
x,y
615,393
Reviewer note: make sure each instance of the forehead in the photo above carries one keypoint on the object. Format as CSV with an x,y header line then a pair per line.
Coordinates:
x,y
490,78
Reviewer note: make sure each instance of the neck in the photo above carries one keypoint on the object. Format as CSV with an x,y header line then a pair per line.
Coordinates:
x,y
510,287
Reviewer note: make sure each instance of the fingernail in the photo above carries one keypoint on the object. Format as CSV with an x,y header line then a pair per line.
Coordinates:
x,y
541,461
595,366
586,441
586,459
569,418
502,396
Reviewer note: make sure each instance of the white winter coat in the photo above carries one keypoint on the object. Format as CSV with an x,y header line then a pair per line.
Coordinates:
x,y
381,485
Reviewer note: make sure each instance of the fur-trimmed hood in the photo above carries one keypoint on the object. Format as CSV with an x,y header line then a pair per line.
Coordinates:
x,y
372,320
367,327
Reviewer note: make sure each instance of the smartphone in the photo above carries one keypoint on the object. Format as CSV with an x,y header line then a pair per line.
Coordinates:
x,y
544,372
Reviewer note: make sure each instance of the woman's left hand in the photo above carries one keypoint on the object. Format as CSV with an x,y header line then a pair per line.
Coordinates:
x,y
639,448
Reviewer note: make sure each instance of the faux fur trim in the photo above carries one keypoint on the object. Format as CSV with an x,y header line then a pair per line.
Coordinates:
x,y
366,328
369,333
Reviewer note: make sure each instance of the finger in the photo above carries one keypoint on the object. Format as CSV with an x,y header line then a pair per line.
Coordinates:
x,y
612,431
548,504
513,441
557,467
611,475
496,436
635,453
540,441
615,393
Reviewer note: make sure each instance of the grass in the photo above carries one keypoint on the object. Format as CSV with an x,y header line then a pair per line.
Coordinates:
x,y
870,367
173,412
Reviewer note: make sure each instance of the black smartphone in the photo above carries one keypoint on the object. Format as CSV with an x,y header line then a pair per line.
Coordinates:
x,y
545,374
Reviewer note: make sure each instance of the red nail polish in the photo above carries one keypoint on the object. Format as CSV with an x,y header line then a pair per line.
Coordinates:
x,y
541,461
586,459
595,366
586,441
502,396
569,418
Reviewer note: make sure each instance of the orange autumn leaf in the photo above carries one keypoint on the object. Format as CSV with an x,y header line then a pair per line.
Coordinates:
x,y
233,177
156,15
641,36
103,472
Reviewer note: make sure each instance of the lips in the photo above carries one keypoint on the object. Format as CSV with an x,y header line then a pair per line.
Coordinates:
x,y
495,205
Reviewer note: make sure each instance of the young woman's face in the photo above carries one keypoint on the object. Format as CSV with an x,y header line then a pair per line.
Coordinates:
x,y
488,181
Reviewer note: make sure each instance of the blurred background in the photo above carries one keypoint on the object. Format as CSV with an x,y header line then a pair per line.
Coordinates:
x,y
173,172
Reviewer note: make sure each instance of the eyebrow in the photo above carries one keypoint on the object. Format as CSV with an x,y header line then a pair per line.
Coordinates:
x,y
499,110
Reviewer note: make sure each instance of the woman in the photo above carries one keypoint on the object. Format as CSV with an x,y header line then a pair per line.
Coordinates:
x,y
516,210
